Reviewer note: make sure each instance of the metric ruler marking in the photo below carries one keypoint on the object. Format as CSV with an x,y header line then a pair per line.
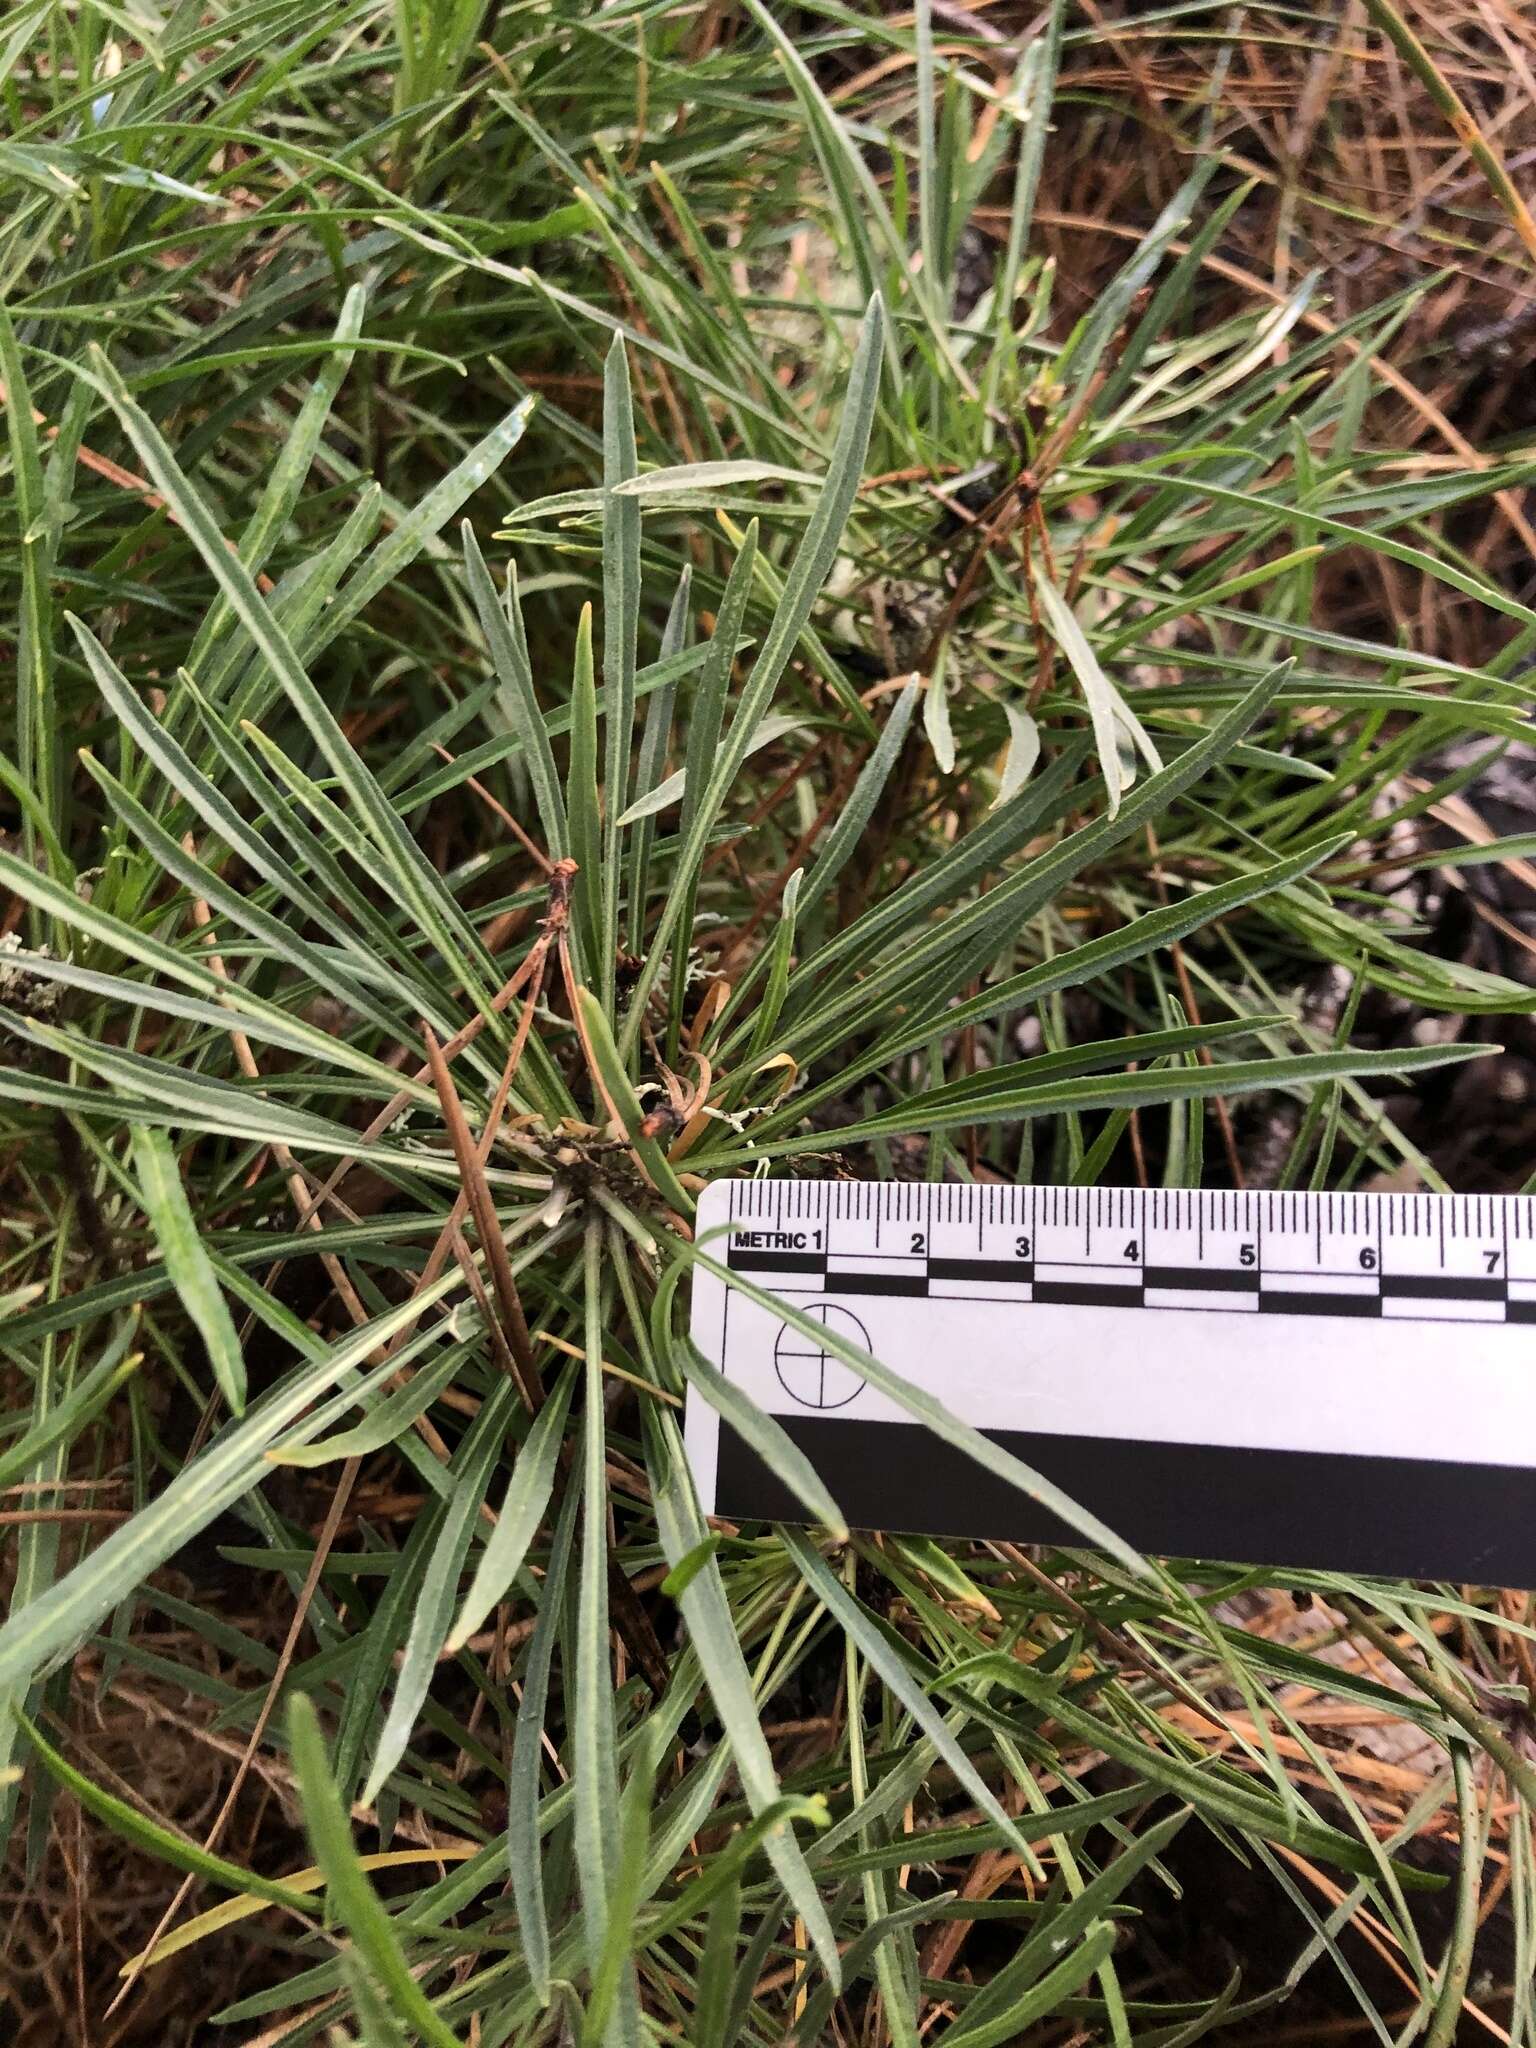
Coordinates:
x,y
1280,1241
1250,1413
1138,1284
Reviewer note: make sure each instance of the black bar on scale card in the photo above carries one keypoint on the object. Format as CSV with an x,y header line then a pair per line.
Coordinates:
x,y
1190,1368
777,1262
1440,1287
909,1284
1281,1301
981,1269
1089,1293
1412,1518
1204,1279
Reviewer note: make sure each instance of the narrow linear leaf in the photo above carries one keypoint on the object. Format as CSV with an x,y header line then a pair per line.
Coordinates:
x,y
812,563
1096,686
153,1839
1023,753
522,1510
708,1616
853,820
582,802
1044,1998
621,626
389,1419
349,1893
767,1437
927,1409
439,1586
687,477
65,1419
1144,934
596,1773
524,1852
616,1084
877,1652
1136,1091
233,1911
504,636
187,1261
211,1482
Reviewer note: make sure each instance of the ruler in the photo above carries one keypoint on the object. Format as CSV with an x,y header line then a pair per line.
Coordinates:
x,y
1332,1381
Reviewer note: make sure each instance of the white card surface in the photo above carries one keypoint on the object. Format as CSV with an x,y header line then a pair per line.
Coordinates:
x,y
1345,1381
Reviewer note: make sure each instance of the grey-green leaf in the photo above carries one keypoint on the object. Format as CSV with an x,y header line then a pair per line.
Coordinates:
x,y
187,1261
522,1510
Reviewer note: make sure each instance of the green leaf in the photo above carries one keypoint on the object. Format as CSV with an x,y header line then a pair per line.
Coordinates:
x,y
524,1850
153,1839
613,1981
876,1650
37,714
966,942
297,452
209,1483
683,1574
522,1509
621,625
349,1894
1214,1790
386,1421
847,833
1042,1999
686,478
706,718
1011,1100
504,635
418,884
767,1437
925,1408
812,562
610,1070
419,526
596,1764
64,1420
1012,1995
651,763
187,1261
708,1616
582,803
436,1599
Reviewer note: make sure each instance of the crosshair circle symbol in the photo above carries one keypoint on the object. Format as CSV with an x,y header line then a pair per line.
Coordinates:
x,y
808,1372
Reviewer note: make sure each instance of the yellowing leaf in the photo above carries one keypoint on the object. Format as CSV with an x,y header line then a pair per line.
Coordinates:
x,y
230,1911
